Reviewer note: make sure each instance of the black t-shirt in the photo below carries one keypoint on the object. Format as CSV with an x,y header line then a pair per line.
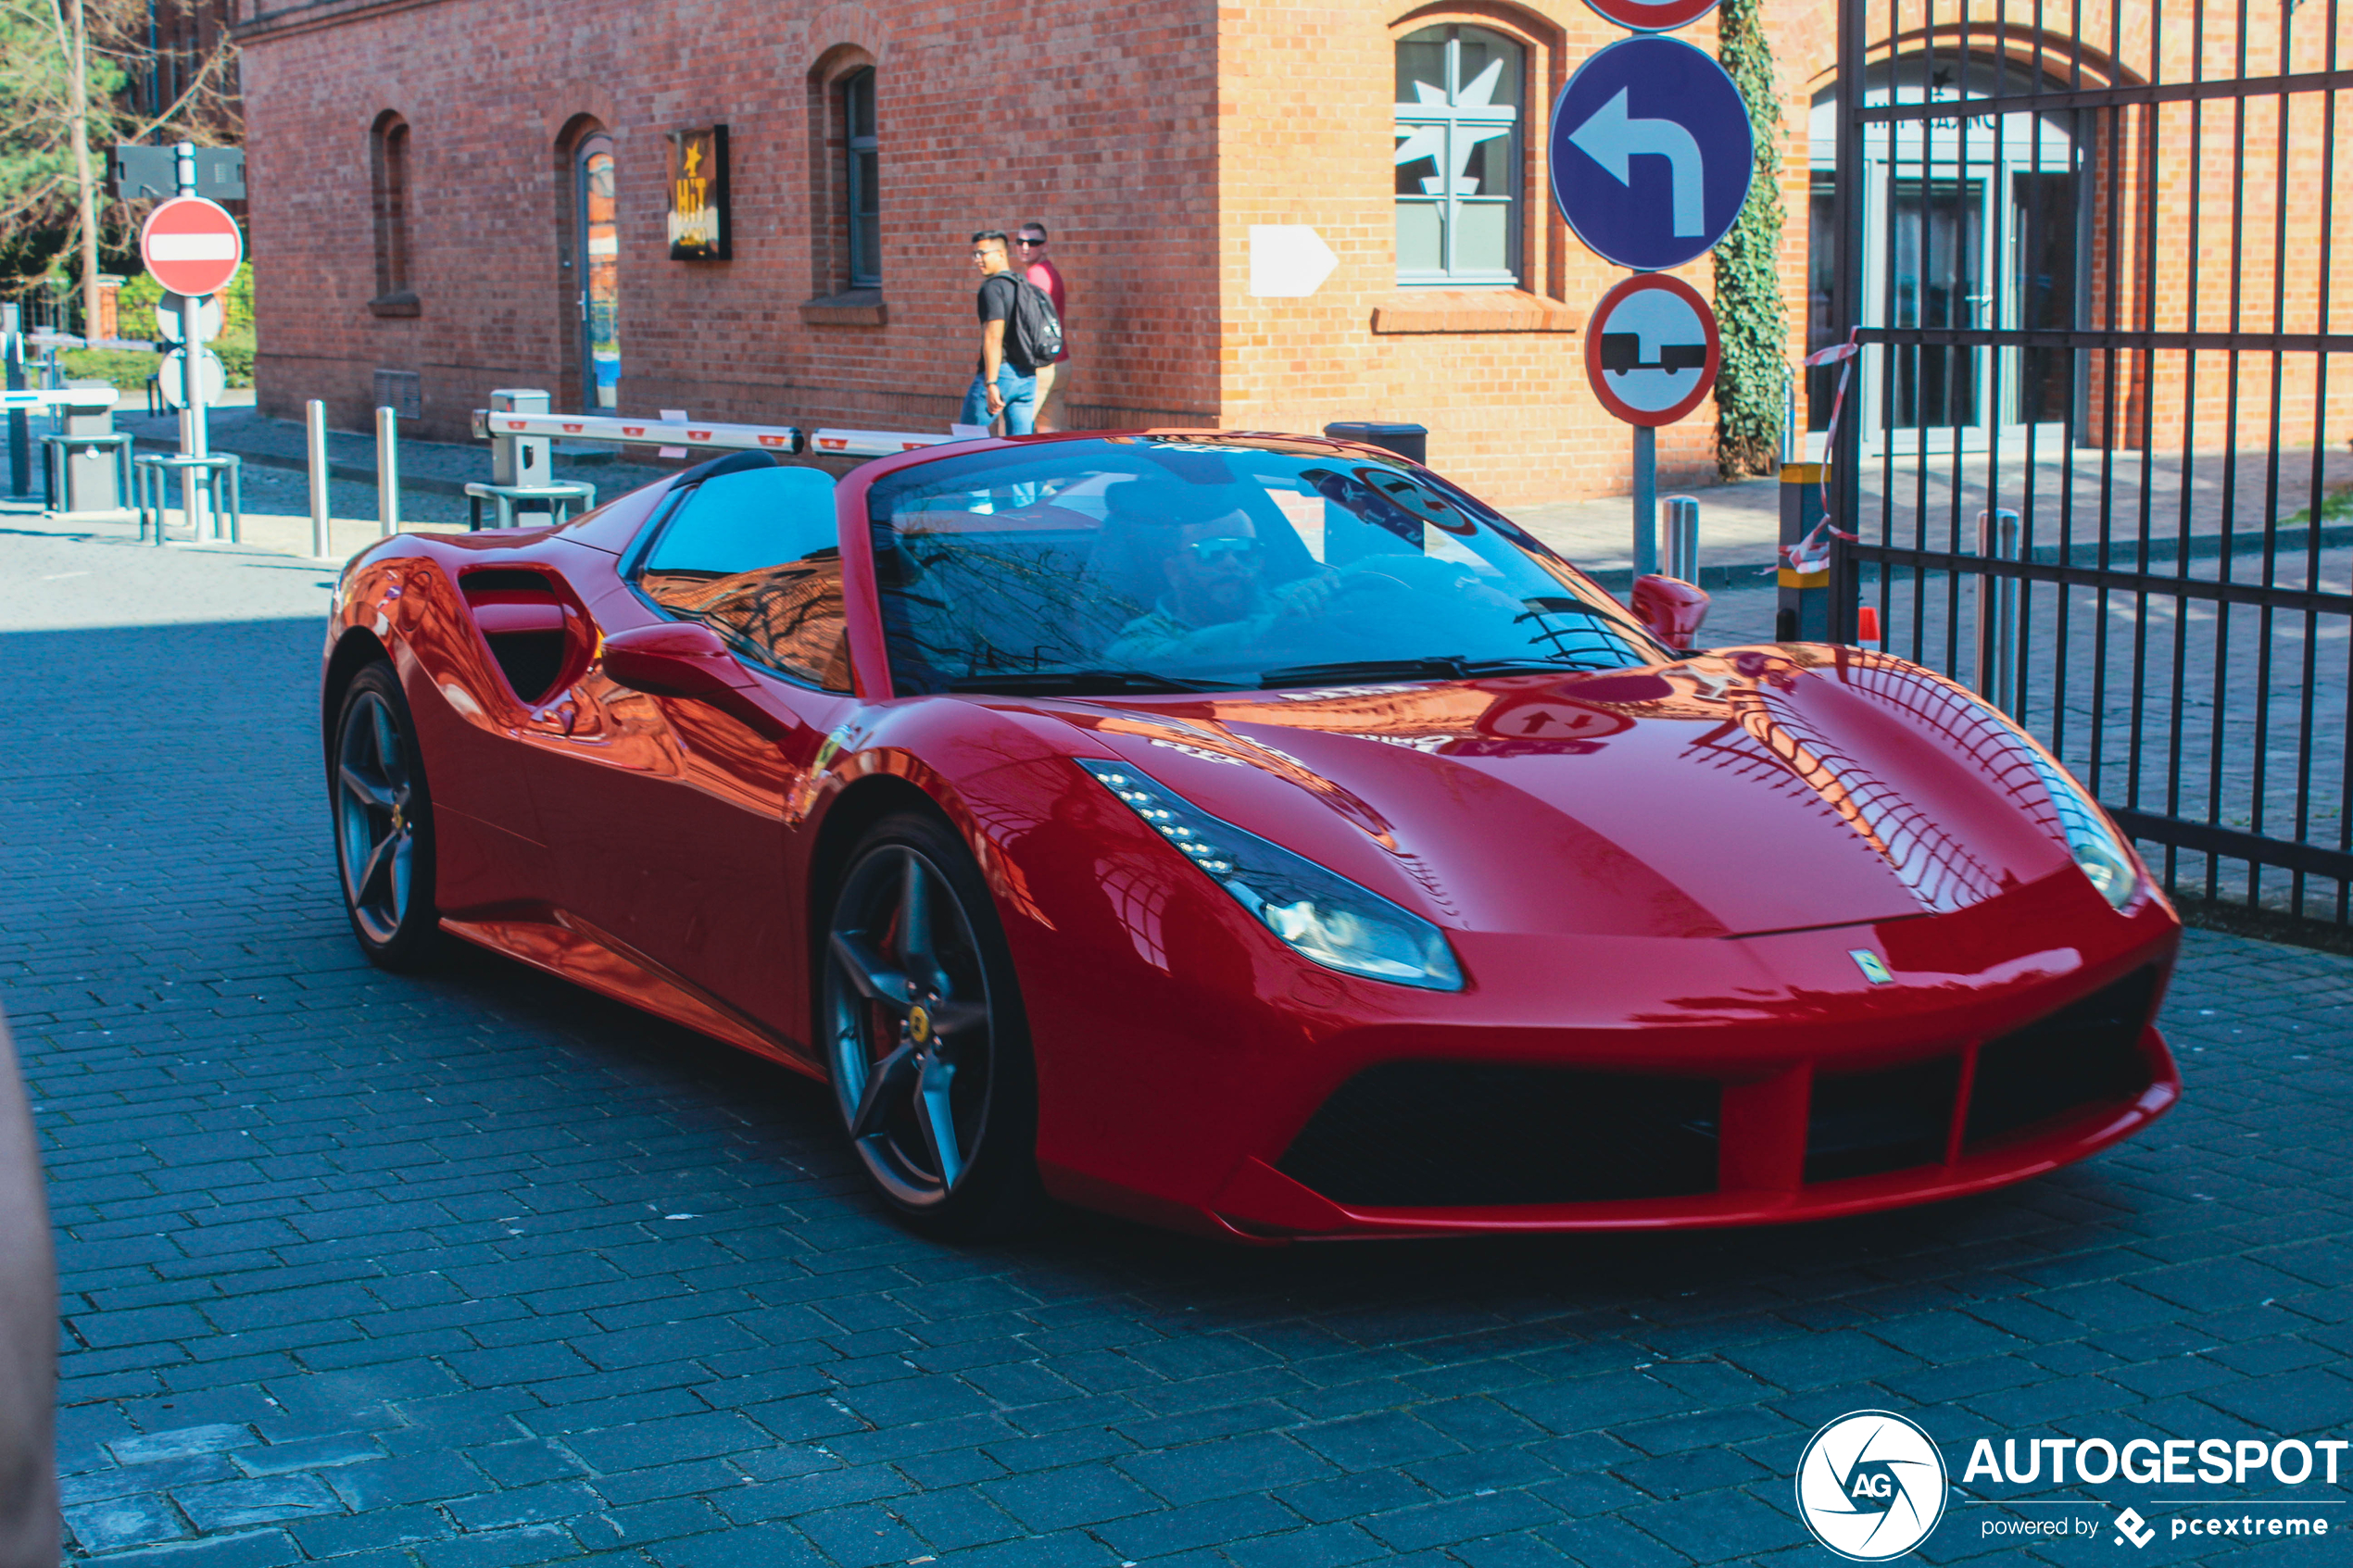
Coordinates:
x,y
995,303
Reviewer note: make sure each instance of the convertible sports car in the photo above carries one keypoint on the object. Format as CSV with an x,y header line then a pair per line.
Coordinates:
x,y
1255,835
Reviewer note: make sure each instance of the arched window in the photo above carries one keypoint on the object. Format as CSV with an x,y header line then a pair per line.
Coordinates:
x,y
862,204
388,176
1459,95
597,222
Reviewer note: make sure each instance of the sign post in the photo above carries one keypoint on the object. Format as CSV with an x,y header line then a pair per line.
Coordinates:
x,y
1652,155
1652,349
193,248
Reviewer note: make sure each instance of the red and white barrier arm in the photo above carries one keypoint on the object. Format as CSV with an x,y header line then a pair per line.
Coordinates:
x,y
90,398
869,443
493,424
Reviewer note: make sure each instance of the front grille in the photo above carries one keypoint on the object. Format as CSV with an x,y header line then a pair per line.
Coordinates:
x,y
1861,1123
1438,1134
2086,1054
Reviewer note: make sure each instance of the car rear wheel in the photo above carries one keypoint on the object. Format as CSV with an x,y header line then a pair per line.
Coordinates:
x,y
926,1041
383,823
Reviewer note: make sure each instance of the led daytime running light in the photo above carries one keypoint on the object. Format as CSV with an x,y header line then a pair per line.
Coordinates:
x,y
2098,852
1320,914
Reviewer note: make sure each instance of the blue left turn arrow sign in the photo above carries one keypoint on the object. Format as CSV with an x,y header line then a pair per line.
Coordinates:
x,y
1651,153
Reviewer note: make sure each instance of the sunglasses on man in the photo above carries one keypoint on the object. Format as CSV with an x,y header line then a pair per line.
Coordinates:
x,y
1211,551
1027,243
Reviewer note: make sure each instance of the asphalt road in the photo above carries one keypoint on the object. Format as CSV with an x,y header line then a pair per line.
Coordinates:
x,y
478,1269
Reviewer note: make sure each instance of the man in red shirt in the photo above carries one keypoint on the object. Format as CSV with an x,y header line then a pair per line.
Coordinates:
x,y
1029,253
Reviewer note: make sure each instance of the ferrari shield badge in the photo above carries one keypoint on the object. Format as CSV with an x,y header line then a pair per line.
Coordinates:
x,y
1874,968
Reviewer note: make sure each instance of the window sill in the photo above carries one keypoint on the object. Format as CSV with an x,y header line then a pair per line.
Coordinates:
x,y
401,303
1474,311
854,308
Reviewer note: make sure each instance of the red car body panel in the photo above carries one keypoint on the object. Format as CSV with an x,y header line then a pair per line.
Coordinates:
x,y
1666,872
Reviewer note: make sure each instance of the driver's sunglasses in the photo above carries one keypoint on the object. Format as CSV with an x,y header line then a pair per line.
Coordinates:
x,y
1211,551
1030,245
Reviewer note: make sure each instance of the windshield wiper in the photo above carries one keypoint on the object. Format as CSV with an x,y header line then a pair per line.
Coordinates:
x,y
1450,668
1074,682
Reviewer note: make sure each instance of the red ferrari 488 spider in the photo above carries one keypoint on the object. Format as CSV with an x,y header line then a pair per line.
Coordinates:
x,y
1250,834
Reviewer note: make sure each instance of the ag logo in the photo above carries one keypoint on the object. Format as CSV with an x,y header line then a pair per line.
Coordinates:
x,y
1871,1485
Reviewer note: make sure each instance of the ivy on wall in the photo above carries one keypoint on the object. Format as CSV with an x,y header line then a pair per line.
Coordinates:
x,y
1749,309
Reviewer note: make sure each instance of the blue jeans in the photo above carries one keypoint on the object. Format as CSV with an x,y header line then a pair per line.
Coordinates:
x,y
1020,393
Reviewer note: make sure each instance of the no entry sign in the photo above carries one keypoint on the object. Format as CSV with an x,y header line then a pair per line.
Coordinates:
x,y
1652,349
1651,153
1652,16
192,245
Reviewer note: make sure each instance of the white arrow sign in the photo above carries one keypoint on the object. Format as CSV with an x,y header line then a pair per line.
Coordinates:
x,y
1610,139
1287,260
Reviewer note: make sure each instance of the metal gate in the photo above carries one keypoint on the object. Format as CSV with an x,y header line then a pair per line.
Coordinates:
x,y
2094,449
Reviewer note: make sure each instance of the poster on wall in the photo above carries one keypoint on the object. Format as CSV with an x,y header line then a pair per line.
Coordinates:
x,y
700,225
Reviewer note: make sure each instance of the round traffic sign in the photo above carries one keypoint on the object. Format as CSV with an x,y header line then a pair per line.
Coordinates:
x,y
1651,153
192,245
212,377
1652,349
171,322
1652,16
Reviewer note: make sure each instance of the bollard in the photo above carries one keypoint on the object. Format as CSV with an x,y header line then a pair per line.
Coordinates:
x,y
314,441
1997,533
387,471
1678,523
521,459
1804,614
19,423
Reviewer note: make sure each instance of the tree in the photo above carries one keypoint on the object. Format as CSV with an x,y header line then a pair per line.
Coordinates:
x,y
65,65
1749,307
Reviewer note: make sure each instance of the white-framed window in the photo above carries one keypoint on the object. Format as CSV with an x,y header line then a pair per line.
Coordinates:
x,y
1459,95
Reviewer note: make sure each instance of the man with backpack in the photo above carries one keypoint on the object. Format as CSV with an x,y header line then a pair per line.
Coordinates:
x,y
1053,377
1018,333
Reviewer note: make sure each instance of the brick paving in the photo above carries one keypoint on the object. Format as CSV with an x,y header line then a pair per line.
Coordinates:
x,y
478,1269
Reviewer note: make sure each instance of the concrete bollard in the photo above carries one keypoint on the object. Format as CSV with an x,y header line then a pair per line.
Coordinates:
x,y
1679,523
314,440
1997,539
387,471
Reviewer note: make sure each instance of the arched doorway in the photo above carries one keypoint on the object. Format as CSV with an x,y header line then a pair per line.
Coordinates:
x,y
596,220
1974,224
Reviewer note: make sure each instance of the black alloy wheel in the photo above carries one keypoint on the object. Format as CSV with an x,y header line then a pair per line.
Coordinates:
x,y
924,1038
383,823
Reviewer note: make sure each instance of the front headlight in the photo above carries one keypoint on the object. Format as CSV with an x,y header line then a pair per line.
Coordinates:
x,y
1322,915
2093,844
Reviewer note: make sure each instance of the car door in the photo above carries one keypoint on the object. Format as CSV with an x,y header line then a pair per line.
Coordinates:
x,y
667,816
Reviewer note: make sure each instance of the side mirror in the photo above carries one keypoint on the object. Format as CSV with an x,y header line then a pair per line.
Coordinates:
x,y
686,658
675,659
1671,608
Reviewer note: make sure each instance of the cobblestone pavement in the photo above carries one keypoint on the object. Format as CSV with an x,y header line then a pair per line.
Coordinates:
x,y
478,1269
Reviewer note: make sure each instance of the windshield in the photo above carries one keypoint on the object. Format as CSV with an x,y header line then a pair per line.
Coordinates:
x,y
1150,563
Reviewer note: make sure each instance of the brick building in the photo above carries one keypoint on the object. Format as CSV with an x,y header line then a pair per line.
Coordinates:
x,y
478,194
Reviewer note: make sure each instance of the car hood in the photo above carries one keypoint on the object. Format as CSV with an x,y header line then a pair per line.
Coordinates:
x,y
1752,790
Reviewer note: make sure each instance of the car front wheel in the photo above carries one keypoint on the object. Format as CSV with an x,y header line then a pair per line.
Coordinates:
x,y
926,1042
383,823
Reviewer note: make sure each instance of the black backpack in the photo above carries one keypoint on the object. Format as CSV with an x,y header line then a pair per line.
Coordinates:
x,y
1035,333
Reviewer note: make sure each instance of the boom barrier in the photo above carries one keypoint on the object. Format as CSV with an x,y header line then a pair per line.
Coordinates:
x,y
492,424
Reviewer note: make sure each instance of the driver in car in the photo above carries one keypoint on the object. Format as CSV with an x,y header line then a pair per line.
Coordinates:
x,y
1215,605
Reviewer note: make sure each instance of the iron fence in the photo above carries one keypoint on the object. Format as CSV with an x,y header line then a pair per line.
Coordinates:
x,y
2088,255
